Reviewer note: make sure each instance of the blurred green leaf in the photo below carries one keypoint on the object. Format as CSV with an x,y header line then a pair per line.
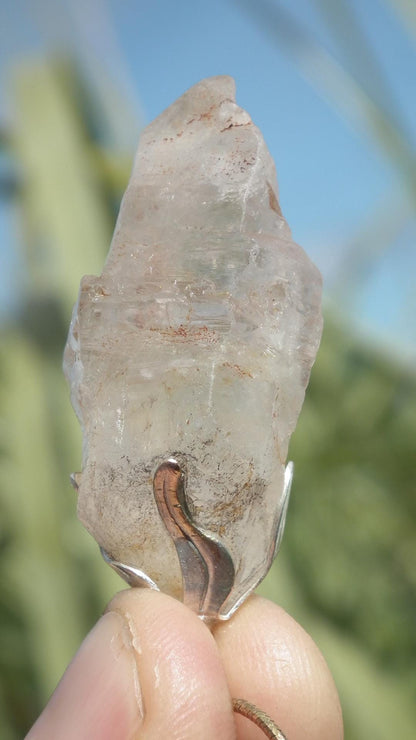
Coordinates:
x,y
67,218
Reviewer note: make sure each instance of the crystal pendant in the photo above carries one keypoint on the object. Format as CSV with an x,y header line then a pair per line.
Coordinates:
x,y
188,359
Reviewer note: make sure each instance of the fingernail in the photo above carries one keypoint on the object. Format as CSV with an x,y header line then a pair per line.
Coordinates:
x,y
99,695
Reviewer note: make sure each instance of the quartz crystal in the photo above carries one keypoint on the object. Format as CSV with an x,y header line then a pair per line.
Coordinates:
x,y
195,343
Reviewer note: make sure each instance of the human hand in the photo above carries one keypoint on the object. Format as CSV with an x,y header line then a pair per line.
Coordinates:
x,y
151,669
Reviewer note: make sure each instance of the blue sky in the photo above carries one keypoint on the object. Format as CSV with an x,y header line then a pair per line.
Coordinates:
x,y
334,179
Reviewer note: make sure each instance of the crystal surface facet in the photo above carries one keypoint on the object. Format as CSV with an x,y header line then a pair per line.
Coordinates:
x,y
195,343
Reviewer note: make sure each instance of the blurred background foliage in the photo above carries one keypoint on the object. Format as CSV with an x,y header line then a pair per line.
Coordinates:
x,y
347,567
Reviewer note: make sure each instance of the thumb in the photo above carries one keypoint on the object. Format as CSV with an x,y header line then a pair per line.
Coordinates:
x,y
149,667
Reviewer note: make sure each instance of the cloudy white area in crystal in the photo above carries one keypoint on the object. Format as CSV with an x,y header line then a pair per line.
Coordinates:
x,y
196,342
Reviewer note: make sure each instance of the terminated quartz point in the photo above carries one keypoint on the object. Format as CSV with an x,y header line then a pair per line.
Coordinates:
x,y
194,345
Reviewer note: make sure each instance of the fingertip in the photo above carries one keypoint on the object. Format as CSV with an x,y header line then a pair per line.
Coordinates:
x,y
272,662
96,698
183,683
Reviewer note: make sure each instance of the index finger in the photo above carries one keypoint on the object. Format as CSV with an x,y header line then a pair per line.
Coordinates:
x,y
273,663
